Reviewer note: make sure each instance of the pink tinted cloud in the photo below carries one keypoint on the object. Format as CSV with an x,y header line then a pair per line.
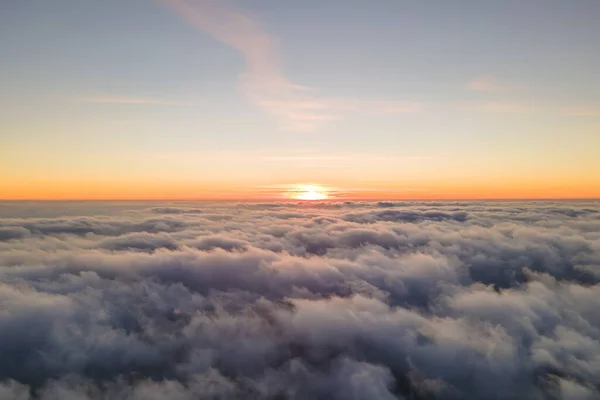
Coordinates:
x,y
486,83
263,83
505,108
583,112
131,101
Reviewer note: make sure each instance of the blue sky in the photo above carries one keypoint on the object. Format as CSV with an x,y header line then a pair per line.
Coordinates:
x,y
253,91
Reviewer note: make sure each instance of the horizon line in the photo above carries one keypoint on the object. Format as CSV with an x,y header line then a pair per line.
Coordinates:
x,y
306,201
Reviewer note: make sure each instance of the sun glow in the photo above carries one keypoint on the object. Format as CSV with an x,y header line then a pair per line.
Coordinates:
x,y
309,192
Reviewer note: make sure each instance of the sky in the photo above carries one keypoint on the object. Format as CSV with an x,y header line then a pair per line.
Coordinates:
x,y
200,99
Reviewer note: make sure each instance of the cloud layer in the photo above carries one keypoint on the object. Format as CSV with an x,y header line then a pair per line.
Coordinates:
x,y
333,300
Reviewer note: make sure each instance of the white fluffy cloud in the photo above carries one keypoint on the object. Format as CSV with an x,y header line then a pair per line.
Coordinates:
x,y
386,300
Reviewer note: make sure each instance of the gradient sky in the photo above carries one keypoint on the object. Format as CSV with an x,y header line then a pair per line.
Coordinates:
x,y
223,99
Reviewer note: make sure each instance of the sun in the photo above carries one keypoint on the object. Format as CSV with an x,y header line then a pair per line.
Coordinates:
x,y
309,192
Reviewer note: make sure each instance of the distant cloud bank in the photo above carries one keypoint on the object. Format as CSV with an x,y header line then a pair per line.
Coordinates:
x,y
314,300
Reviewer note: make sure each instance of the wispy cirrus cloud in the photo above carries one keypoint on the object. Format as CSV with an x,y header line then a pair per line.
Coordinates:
x,y
487,83
583,112
504,107
293,158
263,83
131,101
511,107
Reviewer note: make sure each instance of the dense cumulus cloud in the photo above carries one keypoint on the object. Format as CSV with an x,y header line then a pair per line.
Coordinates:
x,y
315,300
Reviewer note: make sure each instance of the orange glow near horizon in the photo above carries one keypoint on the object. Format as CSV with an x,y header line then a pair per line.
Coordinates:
x,y
309,193
187,190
